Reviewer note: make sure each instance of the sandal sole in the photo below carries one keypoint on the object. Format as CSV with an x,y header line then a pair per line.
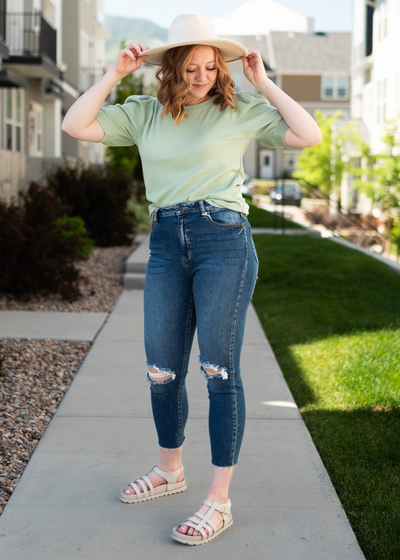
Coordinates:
x,y
148,498
180,538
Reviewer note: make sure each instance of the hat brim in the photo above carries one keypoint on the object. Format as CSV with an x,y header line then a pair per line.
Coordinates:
x,y
230,50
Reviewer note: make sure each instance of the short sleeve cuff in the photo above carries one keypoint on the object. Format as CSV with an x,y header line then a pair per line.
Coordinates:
x,y
279,134
106,125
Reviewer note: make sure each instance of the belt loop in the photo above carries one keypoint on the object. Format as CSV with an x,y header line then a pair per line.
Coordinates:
x,y
155,217
202,208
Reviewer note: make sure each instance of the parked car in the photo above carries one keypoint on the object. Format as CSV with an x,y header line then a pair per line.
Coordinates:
x,y
286,193
247,187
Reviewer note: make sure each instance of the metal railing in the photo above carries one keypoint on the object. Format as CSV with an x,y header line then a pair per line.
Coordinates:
x,y
89,76
3,21
29,34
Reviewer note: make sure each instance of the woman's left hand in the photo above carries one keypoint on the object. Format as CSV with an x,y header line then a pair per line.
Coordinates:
x,y
253,68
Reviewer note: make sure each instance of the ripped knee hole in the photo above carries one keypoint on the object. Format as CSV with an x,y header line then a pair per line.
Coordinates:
x,y
210,370
159,375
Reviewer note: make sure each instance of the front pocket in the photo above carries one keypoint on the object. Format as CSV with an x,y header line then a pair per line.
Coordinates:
x,y
254,248
224,218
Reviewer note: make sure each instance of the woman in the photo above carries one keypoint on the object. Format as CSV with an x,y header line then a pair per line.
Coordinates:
x,y
203,266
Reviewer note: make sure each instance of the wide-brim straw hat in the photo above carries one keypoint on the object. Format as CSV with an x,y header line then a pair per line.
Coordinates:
x,y
194,30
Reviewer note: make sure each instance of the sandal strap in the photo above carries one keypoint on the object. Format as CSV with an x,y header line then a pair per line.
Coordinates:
x,y
204,522
209,522
169,477
139,484
140,487
222,508
196,524
201,530
135,487
148,481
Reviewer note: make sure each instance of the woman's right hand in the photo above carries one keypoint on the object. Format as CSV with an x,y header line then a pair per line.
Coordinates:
x,y
128,60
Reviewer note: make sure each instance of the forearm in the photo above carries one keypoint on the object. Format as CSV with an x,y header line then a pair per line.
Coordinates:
x,y
300,122
83,112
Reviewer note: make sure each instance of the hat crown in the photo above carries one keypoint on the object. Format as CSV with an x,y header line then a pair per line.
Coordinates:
x,y
191,28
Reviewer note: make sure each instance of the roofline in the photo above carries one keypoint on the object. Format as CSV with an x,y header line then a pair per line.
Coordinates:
x,y
290,72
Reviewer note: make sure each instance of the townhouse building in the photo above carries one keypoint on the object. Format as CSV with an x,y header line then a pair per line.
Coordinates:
x,y
314,68
84,56
375,75
376,65
36,86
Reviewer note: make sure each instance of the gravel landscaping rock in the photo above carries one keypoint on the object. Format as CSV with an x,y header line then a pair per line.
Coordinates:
x,y
103,272
34,376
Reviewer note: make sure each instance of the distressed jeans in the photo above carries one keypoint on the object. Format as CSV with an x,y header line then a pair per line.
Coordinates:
x,y
201,274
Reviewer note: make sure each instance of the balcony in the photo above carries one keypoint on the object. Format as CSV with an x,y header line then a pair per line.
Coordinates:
x,y
3,45
32,44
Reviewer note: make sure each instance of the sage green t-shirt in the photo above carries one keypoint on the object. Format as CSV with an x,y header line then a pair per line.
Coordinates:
x,y
199,159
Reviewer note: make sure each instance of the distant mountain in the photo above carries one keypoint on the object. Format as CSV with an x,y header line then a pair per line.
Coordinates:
x,y
129,29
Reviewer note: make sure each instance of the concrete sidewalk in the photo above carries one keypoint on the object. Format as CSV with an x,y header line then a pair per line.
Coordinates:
x,y
51,325
66,505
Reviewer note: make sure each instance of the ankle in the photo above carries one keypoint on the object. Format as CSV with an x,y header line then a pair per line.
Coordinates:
x,y
169,467
219,497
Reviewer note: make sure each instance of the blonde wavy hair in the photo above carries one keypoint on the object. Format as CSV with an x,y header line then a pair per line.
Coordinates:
x,y
174,85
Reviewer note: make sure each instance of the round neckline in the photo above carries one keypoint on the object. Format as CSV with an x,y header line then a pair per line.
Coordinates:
x,y
199,105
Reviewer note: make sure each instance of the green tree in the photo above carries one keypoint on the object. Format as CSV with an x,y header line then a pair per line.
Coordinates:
x,y
126,159
395,237
321,167
379,178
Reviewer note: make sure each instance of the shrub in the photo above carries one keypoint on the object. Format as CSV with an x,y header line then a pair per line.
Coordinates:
x,y
75,226
141,211
331,221
35,254
99,198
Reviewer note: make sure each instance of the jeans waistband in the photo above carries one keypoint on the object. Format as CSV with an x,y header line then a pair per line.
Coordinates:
x,y
183,208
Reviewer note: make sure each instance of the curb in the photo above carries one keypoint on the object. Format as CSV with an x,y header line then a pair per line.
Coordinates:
x,y
136,263
287,231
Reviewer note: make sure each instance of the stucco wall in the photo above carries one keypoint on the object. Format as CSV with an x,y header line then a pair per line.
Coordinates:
x,y
12,174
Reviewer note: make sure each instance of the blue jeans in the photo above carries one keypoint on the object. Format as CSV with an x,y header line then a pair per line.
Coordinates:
x,y
201,273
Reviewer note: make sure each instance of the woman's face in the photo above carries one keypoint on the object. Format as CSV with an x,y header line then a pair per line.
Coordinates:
x,y
201,73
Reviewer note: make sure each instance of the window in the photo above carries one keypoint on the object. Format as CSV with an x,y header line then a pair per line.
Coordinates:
x,y
290,160
35,120
266,160
13,121
335,87
381,102
381,15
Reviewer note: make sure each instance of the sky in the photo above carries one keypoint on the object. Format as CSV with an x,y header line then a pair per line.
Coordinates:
x,y
329,15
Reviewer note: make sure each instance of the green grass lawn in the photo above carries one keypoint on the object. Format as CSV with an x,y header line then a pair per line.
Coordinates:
x,y
258,217
332,316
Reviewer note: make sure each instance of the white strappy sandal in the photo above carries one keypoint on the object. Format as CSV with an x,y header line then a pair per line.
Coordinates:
x,y
205,523
143,495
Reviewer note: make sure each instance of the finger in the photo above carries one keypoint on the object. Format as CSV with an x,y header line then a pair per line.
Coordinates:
x,y
135,46
144,46
129,53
